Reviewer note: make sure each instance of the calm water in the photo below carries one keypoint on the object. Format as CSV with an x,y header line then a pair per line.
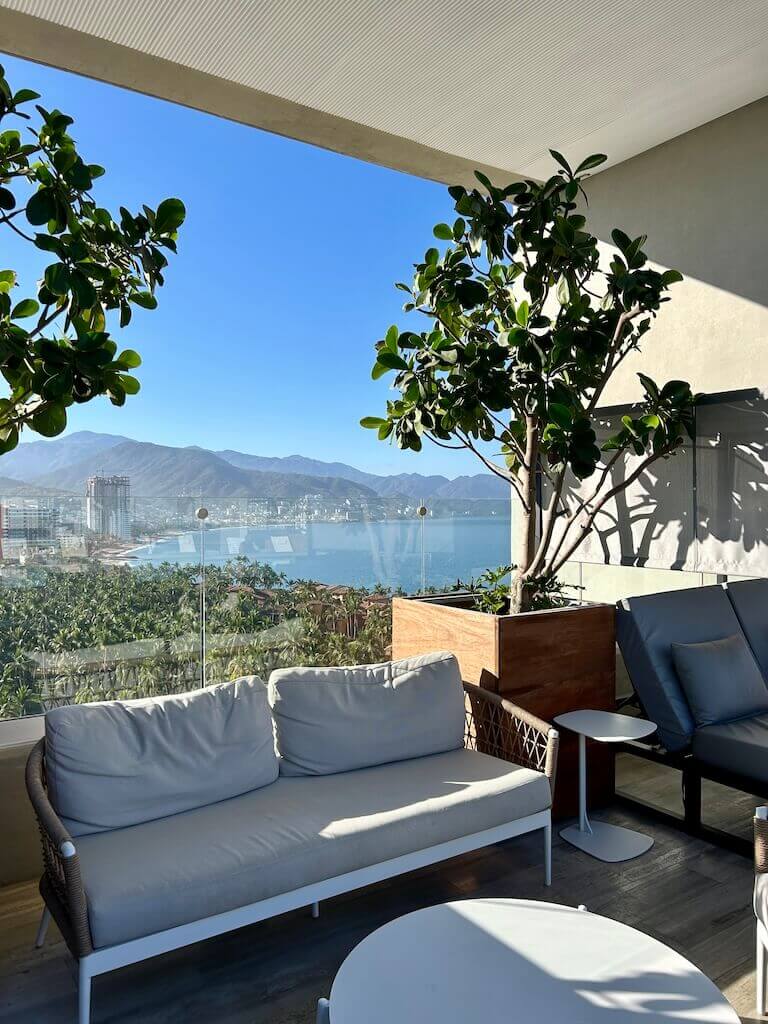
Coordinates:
x,y
357,554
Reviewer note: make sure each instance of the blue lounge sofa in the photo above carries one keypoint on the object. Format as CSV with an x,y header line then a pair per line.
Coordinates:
x,y
695,730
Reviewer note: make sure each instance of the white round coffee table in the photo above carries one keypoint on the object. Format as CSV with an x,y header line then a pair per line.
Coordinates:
x,y
515,962
606,842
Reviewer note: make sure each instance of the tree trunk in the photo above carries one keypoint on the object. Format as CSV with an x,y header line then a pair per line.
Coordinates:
x,y
524,529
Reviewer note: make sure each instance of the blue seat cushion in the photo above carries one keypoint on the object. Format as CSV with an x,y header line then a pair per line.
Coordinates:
x,y
740,747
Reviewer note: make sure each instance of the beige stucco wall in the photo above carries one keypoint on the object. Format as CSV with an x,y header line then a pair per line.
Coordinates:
x,y
20,848
702,199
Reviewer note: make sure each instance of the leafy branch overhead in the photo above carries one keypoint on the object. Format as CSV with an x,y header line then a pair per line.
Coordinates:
x,y
525,328
56,347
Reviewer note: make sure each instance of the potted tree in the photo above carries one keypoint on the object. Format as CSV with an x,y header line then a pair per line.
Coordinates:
x,y
525,326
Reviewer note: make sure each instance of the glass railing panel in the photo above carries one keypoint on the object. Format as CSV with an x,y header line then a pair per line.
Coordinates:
x,y
462,540
80,619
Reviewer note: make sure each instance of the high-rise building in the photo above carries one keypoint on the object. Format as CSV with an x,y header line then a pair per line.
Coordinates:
x,y
24,525
108,506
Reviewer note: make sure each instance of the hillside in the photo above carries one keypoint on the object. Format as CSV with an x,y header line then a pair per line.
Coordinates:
x,y
37,458
156,470
410,485
12,488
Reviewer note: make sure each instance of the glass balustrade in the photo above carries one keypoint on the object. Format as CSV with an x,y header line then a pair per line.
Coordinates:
x,y
118,597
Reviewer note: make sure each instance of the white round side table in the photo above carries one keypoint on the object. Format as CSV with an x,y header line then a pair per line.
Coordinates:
x,y
501,961
599,839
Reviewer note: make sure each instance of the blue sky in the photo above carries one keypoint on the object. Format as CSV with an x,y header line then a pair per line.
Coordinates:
x,y
263,337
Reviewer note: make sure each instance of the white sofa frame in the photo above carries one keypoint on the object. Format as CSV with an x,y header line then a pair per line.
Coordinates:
x,y
494,726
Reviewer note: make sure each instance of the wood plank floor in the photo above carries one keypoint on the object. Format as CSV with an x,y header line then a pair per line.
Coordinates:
x,y
690,895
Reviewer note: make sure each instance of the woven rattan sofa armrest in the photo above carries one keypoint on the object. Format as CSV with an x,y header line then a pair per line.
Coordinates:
x,y
760,824
61,884
498,727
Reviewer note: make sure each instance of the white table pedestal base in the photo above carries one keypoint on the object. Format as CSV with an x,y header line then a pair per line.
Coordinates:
x,y
607,842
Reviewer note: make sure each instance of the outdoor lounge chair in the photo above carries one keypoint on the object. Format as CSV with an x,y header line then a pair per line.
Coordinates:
x,y
169,820
698,662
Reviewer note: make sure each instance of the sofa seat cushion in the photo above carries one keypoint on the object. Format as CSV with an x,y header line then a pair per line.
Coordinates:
x,y
740,747
338,719
118,763
160,874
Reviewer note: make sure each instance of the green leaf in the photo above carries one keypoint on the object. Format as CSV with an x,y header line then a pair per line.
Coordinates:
x,y
379,370
82,289
671,277
130,385
523,313
57,279
50,420
560,159
7,199
560,414
25,308
144,299
129,359
391,360
47,243
372,422
621,240
7,280
443,231
590,162
41,207
170,216
650,386
484,180
24,96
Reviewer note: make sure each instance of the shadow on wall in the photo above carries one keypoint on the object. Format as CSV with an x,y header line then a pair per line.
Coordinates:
x,y
703,510
700,198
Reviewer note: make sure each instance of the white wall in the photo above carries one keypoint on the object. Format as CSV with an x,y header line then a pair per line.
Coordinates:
x,y
702,199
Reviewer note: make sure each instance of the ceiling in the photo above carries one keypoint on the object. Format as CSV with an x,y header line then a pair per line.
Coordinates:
x,y
425,87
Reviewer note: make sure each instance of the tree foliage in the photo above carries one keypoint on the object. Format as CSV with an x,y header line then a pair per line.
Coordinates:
x,y
273,622
525,329
56,347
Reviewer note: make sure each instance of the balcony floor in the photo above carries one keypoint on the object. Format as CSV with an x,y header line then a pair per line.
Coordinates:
x,y
690,895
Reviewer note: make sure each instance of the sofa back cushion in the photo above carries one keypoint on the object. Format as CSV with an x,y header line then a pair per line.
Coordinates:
x,y
721,680
646,628
120,763
750,602
331,720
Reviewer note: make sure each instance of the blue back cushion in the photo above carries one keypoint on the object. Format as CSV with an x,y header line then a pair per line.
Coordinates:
x,y
646,628
750,602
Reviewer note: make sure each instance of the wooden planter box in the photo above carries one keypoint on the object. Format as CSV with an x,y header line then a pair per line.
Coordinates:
x,y
548,662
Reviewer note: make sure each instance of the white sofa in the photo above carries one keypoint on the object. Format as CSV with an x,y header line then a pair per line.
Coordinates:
x,y
168,820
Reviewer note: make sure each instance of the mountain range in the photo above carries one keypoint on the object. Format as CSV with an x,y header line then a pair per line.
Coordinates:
x,y
64,464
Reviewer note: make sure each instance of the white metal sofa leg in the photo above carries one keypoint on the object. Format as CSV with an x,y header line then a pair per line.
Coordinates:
x,y
761,968
42,930
83,992
323,1012
315,910
548,854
